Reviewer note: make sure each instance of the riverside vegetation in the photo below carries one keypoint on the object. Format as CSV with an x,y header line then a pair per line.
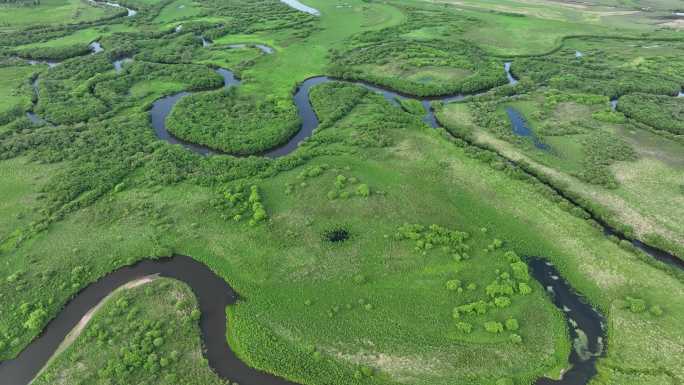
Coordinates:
x,y
380,251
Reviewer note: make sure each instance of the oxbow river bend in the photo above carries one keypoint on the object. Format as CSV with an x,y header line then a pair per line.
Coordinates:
x,y
214,294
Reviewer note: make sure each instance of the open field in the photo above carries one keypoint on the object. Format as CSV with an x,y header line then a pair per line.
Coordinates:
x,y
18,15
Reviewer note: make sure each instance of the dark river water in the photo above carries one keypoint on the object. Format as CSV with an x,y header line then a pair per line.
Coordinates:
x,y
585,324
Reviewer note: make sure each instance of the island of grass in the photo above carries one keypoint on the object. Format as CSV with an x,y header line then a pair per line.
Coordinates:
x,y
145,332
234,123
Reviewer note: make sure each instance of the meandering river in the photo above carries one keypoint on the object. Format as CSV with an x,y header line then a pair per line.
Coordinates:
x,y
301,7
214,294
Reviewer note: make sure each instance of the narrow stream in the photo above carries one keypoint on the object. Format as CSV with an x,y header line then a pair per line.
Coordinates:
x,y
95,47
309,121
162,107
118,64
131,12
511,79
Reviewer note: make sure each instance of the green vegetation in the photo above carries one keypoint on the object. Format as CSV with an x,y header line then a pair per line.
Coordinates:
x,y
230,122
660,112
15,95
410,58
380,251
19,14
620,169
145,333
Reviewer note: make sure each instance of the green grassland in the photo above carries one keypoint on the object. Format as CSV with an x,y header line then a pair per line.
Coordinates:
x,y
21,192
82,36
13,84
19,15
179,10
643,191
435,224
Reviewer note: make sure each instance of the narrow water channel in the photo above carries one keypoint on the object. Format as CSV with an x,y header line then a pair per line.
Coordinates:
x,y
162,108
301,7
213,295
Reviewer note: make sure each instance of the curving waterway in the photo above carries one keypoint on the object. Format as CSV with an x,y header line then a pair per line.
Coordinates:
x,y
585,324
301,7
131,12
309,121
214,295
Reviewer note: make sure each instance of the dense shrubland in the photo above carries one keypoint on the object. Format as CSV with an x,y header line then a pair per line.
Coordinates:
x,y
171,49
660,112
62,96
595,74
602,149
147,333
114,89
333,100
57,53
261,15
233,122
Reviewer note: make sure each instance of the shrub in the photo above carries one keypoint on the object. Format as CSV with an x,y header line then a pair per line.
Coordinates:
x,y
502,301
363,190
636,305
524,289
515,338
656,310
520,271
464,327
512,324
453,284
36,319
340,181
511,256
494,327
